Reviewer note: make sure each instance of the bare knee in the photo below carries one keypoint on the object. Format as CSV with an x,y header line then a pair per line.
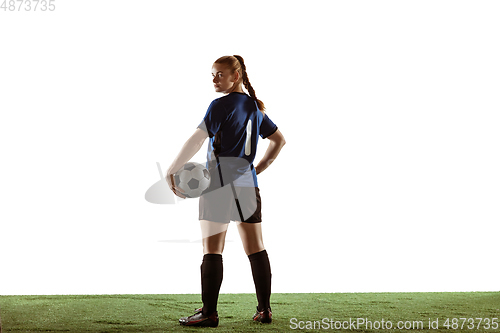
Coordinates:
x,y
254,248
213,246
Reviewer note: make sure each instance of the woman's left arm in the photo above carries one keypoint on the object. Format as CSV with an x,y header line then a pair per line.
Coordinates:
x,y
190,148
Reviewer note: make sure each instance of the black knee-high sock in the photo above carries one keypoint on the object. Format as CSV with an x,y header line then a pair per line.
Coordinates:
x,y
261,271
211,280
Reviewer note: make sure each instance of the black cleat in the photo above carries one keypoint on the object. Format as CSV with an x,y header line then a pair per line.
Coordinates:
x,y
198,319
264,316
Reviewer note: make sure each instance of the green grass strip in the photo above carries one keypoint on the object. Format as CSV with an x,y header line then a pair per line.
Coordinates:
x,y
160,313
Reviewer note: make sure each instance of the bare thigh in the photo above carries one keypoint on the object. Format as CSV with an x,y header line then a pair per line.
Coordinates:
x,y
251,237
213,236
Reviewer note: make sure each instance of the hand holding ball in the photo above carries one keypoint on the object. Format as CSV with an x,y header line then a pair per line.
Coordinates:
x,y
192,179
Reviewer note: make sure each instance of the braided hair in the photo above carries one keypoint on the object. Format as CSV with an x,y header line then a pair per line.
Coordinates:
x,y
236,64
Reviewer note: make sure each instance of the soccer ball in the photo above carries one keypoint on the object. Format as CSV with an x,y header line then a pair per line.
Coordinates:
x,y
193,178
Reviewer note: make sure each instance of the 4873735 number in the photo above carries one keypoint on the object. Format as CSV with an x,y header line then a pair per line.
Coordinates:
x,y
28,5
471,323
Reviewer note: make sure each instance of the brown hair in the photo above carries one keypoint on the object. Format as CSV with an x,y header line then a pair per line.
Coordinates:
x,y
236,64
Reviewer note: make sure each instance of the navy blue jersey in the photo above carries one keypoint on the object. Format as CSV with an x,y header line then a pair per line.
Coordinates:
x,y
234,124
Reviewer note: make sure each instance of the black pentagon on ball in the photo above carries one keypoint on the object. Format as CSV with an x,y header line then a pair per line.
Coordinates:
x,y
189,166
206,174
177,179
193,183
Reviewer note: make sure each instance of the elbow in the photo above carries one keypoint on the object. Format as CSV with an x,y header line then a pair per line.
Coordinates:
x,y
277,138
196,144
282,141
200,144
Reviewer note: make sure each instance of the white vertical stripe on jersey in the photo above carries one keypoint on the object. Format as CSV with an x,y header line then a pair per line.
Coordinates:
x,y
248,142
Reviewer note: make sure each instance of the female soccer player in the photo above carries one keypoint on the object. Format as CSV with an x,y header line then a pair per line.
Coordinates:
x,y
233,123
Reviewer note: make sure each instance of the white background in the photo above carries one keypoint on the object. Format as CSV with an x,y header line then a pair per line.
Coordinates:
x,y
389,180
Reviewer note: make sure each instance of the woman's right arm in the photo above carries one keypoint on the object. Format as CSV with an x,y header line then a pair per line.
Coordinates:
x,y
277,142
